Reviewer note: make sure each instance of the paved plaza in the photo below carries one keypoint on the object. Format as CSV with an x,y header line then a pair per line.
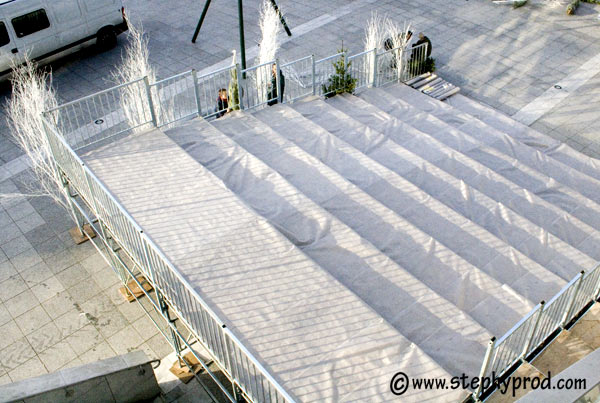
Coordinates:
x,y
59,302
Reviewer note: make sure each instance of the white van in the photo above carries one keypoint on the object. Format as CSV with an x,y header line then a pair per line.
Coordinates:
x,y
47,29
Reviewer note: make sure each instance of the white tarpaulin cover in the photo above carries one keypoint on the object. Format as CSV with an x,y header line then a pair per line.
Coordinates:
x,y
348,239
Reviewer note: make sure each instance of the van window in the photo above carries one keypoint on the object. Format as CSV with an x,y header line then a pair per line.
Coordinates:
x,y
31,22
4,39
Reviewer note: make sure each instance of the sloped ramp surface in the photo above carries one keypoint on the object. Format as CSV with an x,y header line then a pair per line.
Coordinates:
x,y
350,238
313,335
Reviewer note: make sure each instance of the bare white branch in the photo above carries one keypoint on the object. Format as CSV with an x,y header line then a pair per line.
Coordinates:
x,y
32,94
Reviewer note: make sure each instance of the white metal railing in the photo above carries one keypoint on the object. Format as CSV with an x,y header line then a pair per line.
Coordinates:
x,y
324,69
362,68
299,76
257,85
207,89
101,115
225,347
140,104
543,323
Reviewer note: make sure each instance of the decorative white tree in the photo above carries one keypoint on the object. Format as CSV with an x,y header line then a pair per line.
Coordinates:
x,y
134,65
32,95
270,29
380,30
399,38
374,37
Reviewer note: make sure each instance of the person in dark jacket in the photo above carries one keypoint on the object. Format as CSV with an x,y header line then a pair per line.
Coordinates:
x,y
272,94
422,39
222,103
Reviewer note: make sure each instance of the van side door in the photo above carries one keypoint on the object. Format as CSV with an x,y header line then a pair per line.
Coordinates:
x,y
71,24
7,44
34,32
100,13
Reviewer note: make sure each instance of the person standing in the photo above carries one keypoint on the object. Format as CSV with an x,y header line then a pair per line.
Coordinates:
x,y
222,103
272,93
422,39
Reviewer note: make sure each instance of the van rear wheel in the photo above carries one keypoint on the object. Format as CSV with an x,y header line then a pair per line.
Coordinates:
x,y
106,38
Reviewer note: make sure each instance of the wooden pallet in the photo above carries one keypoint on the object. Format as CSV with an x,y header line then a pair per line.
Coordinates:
x,y
434,86
136,291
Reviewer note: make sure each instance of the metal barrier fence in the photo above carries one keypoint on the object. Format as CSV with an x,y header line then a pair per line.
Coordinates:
x,y
139,104
259,86
299,76
175,98
324,69
362,68
207,90
227,350
400,64
541,324
102,115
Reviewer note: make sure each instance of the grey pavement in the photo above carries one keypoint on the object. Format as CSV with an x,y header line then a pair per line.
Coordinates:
x,y
59,304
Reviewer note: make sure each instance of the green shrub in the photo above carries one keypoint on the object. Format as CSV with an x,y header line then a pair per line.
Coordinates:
x,y
520,3
572,7
426,66
341,81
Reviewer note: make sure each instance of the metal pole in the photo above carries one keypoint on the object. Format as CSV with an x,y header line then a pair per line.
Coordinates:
x,y
533,330
165,311
485,365
204,11
150,102
278,81
287,30
567,315
596,289
240,83
196,93
242,39
314,78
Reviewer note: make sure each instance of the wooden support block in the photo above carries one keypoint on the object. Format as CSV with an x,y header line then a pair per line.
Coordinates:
x,y
182,371
136,291
80,238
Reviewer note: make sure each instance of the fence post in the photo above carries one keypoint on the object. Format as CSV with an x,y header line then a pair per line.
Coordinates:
x,y
531,334
314,76
150,102
240,81
485,365
567,314
373,68
278,81
596,289
196,93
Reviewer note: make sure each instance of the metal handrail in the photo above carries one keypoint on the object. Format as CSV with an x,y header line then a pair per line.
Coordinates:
x,y
360,54
215,72
258,66
329,57
164,80
518,324
95,94
563,313
296,61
